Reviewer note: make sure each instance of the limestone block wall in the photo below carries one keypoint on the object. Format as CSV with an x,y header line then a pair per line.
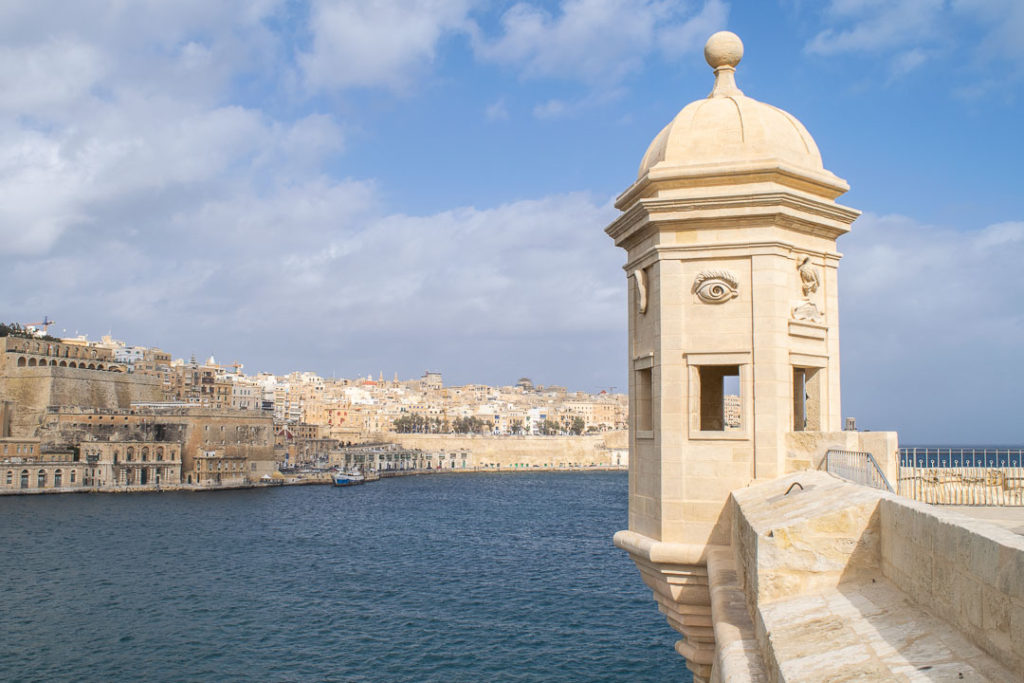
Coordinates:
x,y
33,389
809,539
806,450
969,573
505,451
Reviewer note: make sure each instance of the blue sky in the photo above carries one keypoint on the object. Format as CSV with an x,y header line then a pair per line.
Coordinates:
x,y
397,185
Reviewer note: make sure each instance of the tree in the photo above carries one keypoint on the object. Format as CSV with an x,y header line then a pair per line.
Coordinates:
x,y
515,427
549,428
577,426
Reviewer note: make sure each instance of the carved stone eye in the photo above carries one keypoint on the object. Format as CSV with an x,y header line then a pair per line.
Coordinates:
x,y
715,286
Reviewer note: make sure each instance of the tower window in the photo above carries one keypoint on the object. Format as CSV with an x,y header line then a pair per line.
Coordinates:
x,y
720,398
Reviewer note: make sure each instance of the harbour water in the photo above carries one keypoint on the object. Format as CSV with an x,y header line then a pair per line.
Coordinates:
x,y
488,577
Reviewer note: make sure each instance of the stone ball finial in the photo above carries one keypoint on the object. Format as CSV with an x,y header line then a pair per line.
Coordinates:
x,y
723,49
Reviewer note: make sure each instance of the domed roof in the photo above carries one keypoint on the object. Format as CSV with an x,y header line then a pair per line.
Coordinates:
x,y
728,126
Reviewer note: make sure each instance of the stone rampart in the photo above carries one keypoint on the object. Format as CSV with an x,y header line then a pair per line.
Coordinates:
x,y
605,449
34,389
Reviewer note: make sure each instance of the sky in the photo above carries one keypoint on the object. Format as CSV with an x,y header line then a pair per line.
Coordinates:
x,y
364,186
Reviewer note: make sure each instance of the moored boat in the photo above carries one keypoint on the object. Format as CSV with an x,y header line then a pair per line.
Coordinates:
x,y
347,478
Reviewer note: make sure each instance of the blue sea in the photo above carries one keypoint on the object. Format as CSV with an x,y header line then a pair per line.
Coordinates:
x,y
482,577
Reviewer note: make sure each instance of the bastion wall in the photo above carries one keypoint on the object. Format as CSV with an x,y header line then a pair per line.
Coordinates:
x,y
607,449
33,389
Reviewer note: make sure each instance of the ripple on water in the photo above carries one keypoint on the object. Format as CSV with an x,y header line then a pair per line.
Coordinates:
x,y
441,578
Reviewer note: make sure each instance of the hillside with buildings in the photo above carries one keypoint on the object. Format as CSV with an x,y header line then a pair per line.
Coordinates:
x,y
106,415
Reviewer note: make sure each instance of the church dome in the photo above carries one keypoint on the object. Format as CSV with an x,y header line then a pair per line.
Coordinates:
x,y
728,127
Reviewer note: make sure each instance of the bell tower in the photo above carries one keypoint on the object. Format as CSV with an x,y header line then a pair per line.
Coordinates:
x,y
730,237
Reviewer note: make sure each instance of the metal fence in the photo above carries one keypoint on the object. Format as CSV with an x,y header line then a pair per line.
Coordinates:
x,y
962,476
856,466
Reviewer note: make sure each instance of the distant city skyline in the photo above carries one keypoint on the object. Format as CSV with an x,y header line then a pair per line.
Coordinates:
x,y
350,188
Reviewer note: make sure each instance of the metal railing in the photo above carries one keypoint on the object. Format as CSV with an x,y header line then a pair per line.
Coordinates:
x,y
856,466
963,476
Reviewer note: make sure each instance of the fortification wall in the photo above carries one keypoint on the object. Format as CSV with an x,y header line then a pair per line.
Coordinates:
x,y
33,389
605,449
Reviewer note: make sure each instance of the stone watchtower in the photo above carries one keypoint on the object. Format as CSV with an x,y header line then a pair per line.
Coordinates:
x,y
730,233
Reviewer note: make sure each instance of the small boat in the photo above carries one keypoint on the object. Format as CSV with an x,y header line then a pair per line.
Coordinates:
x,y
347,478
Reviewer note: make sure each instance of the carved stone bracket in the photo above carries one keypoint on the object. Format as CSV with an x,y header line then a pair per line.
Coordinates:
x,y
677,574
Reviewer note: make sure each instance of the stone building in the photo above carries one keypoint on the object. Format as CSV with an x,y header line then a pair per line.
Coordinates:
x,y
24,466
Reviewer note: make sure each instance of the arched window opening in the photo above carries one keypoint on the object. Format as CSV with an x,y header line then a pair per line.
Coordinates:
x,y
72,364
72,476
63,364
130,454
22,362
24,479
145,454
160,453
41,479
31,362
10,477
57,477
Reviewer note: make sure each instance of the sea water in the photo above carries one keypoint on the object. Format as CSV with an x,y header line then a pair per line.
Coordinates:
x,y
472,577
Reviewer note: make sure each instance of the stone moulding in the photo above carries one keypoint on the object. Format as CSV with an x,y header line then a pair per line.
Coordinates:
x,y
715,286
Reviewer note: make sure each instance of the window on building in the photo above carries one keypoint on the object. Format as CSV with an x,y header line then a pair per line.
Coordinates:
x,y
72,476
24,479
806,399
10,477
720,399
41,479
57,478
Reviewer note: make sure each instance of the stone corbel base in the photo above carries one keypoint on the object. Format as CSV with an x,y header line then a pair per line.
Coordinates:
x,y
677,574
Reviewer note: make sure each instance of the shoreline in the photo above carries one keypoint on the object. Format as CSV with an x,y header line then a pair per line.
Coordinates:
x,y
312,481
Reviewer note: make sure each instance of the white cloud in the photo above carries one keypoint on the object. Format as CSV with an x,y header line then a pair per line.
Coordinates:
x,y
874,25
497,111
598,41
1004,23
913,32
931,322
56,73
381,43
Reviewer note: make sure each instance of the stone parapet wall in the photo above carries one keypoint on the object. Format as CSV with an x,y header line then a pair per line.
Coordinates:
x,y
871,584
605,449
806,450
969,573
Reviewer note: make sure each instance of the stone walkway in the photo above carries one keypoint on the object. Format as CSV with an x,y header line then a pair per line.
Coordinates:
x,y
1011,518
870,631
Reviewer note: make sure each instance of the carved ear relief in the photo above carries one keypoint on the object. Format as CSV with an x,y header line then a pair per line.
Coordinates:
x,y
715,286
641,289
